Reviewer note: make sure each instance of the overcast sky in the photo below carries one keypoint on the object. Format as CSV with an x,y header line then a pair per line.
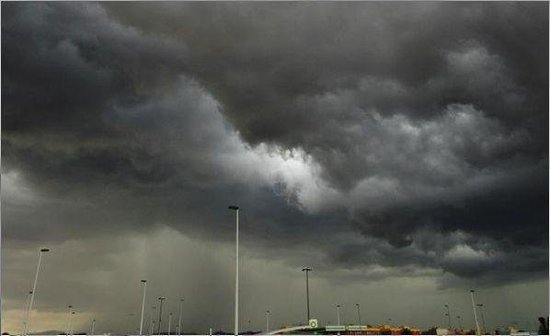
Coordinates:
x,y
398,149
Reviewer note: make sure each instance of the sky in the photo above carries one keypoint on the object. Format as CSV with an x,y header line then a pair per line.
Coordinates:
x,y
400,150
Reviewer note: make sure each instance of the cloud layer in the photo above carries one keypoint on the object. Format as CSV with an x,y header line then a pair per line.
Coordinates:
x,y
387,138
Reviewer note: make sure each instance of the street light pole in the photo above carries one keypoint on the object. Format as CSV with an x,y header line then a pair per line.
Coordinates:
x,y
307,270
267,321
338,314
459,323
93,327
151,320
27,324
26,312
475,313
480,305
449,315
70,323
179,320
69,319
169,322
161,299
358,313
142,307
130,322
236,209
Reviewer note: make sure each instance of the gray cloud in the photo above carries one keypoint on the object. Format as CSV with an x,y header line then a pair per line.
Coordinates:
x,y
387,138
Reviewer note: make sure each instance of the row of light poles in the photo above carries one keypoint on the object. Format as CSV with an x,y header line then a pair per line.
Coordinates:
x,y
152,322
71,312
357,305
474,305
26,323
32,293
30,301
161,299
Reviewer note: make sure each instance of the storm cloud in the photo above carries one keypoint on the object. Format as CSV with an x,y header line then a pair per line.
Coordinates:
x,y
375,139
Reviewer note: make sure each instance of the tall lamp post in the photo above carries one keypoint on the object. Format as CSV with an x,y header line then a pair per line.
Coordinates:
x,y
169,323
93,327
179,320
307,270
70,323
26,312
475,313
358,313
142,307
338,313
27,324
267,321
236,209
151,320
161,299
480,305
130,322
69,319
458,318
449,315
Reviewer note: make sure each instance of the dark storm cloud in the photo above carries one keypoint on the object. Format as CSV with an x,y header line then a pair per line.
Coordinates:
x,y
421,117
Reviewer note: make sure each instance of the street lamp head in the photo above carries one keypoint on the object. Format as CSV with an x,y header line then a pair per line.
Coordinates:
x,y
45,250
306,269
479,304
446,305
144,281
357,304
233,207
69,306
472,291
162,298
